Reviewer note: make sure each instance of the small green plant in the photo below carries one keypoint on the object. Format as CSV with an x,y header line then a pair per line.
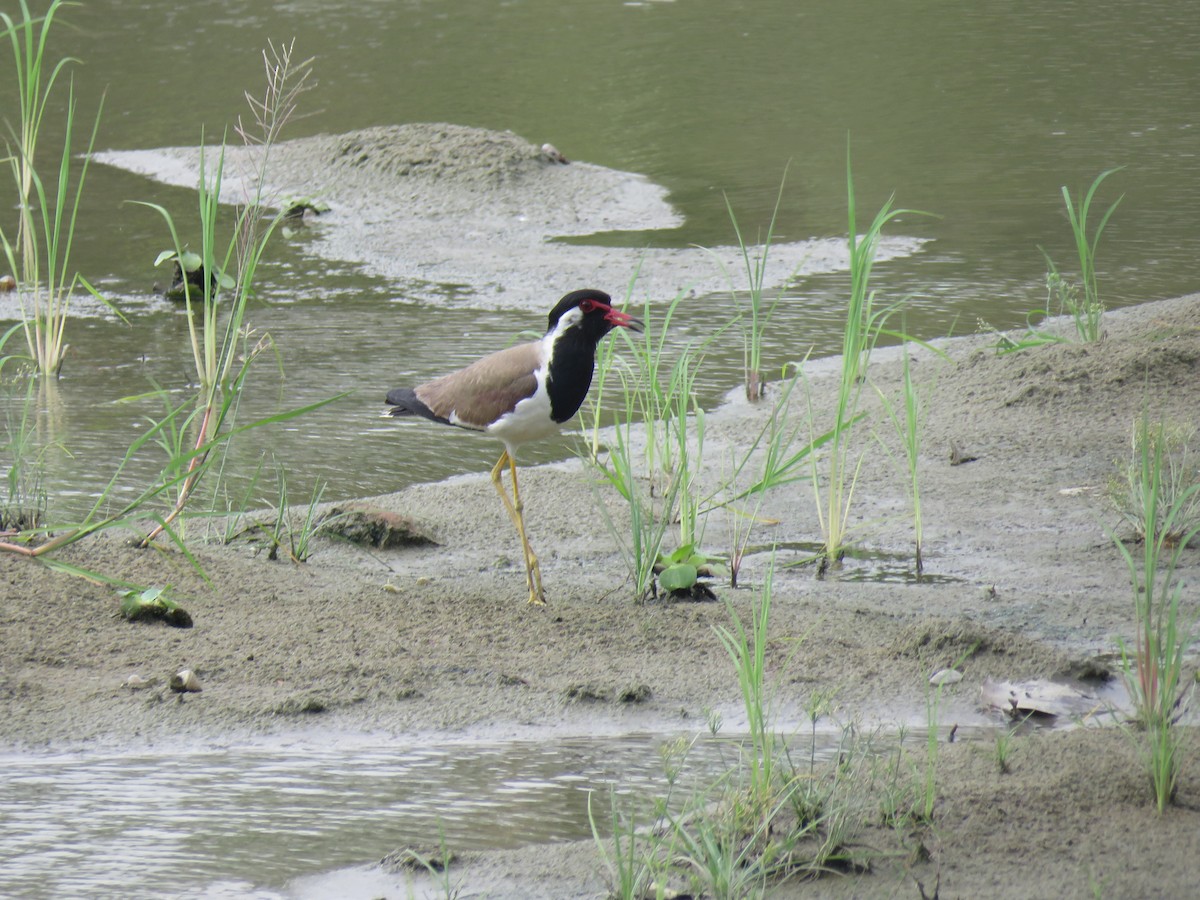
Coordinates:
x,y
662,484
641,545
809,800
187,276
639,864
864,321
1086,312
928,789
277,530
907,424
1062,297
1154,669
680,434
24,502
759,313
636,867
679,572
301,537
1004,749
296,535
731,856
436,865
927,792
747,649
891,783
758,823
1174,444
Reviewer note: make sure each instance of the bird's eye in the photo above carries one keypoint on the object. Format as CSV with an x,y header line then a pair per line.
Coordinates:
x,y
587,306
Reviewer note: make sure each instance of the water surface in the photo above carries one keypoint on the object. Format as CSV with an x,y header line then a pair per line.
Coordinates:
x,y
976,113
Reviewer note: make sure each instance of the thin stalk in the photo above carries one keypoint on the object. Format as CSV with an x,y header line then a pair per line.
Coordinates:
x,y
40,258
1085,249
760,315
1163,637
908,427
747,650
862,327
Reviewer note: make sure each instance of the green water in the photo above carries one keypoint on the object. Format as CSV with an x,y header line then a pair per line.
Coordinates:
x,y
977,113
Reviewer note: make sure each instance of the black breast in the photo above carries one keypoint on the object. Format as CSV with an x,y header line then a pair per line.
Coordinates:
x,y
569,374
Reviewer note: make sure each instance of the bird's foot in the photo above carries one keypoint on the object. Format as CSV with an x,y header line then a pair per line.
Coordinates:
x,y
533,578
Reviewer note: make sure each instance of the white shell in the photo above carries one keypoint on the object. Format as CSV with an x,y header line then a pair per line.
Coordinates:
x,y
945,676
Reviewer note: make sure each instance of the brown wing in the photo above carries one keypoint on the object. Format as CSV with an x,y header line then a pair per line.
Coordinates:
x,y
485,390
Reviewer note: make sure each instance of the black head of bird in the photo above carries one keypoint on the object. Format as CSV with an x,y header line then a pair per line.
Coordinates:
x,y
522,393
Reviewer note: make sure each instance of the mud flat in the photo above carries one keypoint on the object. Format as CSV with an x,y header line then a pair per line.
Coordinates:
x,y
453,214
438,639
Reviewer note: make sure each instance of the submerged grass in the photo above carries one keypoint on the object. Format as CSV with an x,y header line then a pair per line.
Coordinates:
x,y
223,349
39,254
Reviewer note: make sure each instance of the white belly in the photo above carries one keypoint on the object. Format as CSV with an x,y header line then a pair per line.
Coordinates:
x,y
529,421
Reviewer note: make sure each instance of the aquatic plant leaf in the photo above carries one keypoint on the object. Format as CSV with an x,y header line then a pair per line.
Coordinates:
x,y
679,577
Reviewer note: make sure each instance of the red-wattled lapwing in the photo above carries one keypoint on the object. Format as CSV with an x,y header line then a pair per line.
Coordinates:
x,y
522,394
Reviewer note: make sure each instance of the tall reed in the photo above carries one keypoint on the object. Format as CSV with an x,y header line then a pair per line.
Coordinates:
x,y
1087,315
860,332
47,211
217,312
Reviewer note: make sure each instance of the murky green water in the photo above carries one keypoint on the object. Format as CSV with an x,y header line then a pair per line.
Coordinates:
x,y
974,112
977,113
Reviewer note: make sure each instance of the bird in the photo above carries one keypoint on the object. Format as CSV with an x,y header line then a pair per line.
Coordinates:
x,y
521,394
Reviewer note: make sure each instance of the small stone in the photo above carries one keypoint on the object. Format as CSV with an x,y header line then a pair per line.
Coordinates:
x,y
945,676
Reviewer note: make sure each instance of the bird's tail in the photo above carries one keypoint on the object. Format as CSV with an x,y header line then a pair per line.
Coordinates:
x,y
404,402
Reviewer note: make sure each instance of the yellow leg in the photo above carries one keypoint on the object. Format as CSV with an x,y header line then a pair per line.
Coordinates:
x,y
516,509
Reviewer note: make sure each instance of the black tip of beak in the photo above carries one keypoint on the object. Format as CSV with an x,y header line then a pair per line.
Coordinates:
x,y
625,320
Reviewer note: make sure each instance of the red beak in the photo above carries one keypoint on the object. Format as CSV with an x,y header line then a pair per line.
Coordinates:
x,y
623,319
